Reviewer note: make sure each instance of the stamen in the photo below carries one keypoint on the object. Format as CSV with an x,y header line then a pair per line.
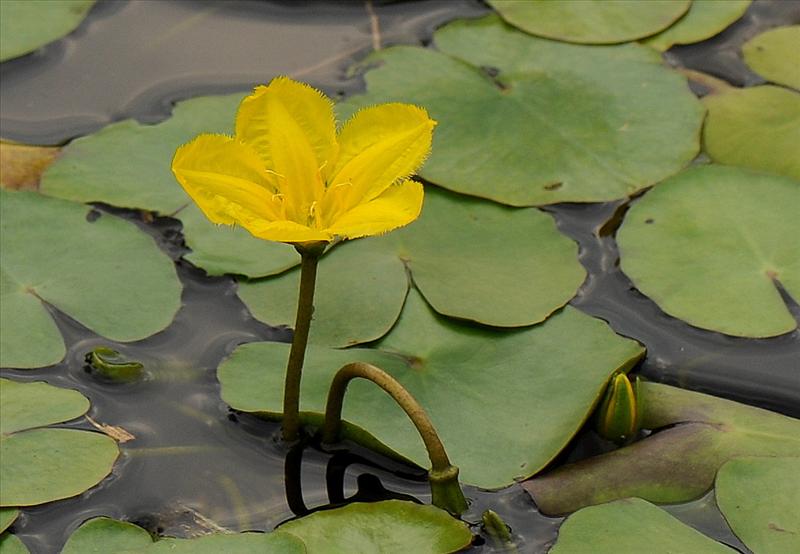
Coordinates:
x,y
312,209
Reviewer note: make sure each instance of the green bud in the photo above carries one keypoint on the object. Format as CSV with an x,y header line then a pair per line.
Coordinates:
x,y
110,365
494,526
619,416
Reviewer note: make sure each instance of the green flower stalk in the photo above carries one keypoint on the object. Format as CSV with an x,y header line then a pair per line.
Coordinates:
x,y
309,255
446,492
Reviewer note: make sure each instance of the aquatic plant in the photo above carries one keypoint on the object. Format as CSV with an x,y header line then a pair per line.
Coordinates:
x,y
287,176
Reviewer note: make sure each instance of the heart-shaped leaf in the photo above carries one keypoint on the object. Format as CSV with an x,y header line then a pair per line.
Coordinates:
x,y
708,244
524,392
102,271
629,526
593,21
471,259
704,19
757,127
758,497
773,55
26,26
696,434
390,527
41,465
527,121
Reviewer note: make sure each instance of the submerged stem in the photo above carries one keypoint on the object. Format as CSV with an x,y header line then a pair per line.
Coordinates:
x,y
443,475
310,254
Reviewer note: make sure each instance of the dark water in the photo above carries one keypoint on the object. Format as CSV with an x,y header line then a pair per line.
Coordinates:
x,y
196,465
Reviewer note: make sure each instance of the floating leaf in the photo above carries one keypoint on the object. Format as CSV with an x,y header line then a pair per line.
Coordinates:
x,y
471,259
40,465
704,19
591,21
7,517
630,525
773,55
21,165
527,121
524,392
758,497
696,434
25,26
361,290
707,244
101,535
29,405
11,544
757,127
220,249
106,274
391,526
127,164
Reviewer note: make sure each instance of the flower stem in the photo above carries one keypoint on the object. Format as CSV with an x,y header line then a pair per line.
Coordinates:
x,y
309,254
443,476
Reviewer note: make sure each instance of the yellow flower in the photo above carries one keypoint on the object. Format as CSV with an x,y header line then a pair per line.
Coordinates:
x,y
286,176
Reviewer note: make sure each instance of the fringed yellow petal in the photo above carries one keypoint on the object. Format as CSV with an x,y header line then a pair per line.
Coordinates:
x,y
380,146
286,231
398,205
309,109
217,172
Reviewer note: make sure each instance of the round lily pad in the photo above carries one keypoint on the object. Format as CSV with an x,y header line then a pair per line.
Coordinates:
x,y
11,544
361,287
388,527
704,19
221,249
773,55
757,127
7,517
524,392
40,465
591,21
709,244
101,535
26,25
758,497
127,164
471,259
29,405
527,121
630,526
103,272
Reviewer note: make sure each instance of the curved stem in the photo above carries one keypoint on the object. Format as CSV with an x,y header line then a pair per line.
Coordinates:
x,y
310,255
443,475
